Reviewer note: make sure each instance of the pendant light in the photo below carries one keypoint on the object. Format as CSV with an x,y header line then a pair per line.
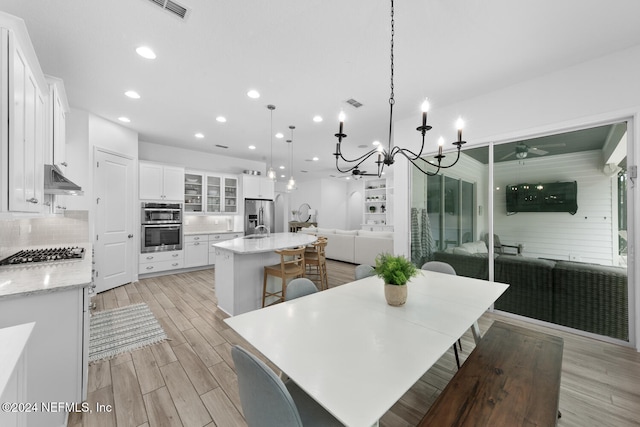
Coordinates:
x,y
291,185
271,174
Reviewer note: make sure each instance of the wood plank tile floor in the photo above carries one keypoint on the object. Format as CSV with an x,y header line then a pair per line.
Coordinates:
x,y
190,379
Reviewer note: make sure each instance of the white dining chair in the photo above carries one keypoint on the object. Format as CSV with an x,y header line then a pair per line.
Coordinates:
x,y
267,401
300,287
443,267
363,271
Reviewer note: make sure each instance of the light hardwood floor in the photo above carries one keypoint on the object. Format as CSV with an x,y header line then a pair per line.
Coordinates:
x,y
190,379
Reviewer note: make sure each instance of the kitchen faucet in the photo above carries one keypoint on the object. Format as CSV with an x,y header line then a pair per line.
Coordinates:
x,y
262,226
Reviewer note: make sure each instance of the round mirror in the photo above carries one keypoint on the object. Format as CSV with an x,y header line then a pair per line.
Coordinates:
x,y
303,212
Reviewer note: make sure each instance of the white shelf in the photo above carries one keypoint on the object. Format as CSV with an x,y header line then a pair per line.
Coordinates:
x,y
377,193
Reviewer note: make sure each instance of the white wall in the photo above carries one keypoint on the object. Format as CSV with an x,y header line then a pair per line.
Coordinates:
x,y
308,192
333,210
198,160
586,236
598,91
85,133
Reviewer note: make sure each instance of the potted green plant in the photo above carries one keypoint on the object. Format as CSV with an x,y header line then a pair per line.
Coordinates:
x,y
396,271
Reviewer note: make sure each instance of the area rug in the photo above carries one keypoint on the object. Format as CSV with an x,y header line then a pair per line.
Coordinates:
x,y
117,331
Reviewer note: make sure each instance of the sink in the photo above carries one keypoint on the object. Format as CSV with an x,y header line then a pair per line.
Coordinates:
x,y
256,236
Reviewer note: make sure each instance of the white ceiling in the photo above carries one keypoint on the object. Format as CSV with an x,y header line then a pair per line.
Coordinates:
x,y
307,58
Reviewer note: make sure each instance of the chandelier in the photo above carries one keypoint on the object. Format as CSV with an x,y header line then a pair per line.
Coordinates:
x,y
385,157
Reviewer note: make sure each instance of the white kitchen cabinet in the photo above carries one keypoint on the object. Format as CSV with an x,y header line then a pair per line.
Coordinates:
x,y
13,381
55,354
25,133
160,182
57,110
257,187
193,188
56,139
207,192
153,262
217,238
230,195
196,250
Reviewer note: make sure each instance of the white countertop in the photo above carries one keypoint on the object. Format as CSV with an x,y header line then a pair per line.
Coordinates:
x,y
44,276
192,233
274,242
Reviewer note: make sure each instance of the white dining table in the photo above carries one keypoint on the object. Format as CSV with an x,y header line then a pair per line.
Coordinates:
x,y
355,354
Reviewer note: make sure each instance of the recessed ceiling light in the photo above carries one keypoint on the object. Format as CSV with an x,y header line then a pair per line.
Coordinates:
x,y
281,167
376,143
199,135
253,94
221,119
124,119
315,159
252,147
279,135
146,52
317,119
282,176
132,94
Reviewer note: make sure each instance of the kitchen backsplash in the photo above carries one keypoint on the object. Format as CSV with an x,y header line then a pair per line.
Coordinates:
x,y
195,223
73,227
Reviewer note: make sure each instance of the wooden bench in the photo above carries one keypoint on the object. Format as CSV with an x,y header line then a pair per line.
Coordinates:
x,y
512,378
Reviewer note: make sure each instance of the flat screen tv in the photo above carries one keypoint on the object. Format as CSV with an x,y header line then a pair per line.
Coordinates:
x,y
541,197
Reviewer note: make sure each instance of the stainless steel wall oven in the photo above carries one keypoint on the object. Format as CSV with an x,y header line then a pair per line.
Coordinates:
x,y
161,227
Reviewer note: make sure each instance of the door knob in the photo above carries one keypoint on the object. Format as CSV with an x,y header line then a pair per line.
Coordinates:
x,y
130,236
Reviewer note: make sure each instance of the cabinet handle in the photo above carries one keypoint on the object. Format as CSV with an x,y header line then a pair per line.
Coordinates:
x,y
129,236
175,264
61,207
216,237
150,268
175,255
196,238
32,200
149,257
64,164
196,243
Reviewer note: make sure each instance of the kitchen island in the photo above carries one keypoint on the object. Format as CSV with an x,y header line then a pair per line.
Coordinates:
x,y
240,267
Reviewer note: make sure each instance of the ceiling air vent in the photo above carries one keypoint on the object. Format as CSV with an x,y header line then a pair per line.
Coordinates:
x,y
222,146
354,103
172,7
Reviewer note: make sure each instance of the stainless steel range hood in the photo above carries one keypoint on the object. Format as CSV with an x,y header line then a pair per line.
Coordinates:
x,y
56,183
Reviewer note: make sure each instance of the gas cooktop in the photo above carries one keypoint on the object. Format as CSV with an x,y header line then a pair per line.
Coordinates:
x,y
30,256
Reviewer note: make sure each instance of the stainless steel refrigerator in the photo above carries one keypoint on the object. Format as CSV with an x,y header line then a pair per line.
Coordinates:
x,y
258,212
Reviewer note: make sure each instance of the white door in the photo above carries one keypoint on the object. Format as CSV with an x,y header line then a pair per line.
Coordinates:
x,y
114,246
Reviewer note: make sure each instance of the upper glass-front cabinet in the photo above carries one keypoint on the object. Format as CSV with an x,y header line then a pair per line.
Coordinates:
x,y
214,195
230,195
193,192
208,193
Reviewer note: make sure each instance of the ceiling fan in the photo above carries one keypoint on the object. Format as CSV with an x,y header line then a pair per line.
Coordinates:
x,y
522,151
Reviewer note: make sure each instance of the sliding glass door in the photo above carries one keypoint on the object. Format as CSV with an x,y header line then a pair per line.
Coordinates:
x,y
557,233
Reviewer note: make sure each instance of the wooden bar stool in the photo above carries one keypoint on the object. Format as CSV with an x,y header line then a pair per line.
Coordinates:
x,y
291,266
315,256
